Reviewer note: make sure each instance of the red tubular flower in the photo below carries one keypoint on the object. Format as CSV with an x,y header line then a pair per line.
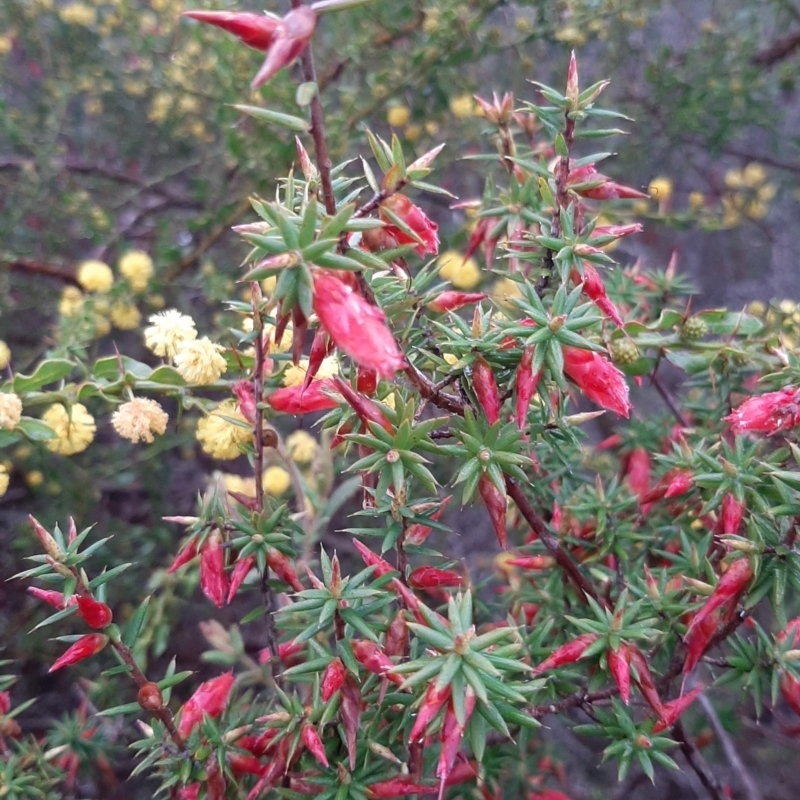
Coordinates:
x,y
366,409
619,665
613,232
673,710
215,780
731,517
414,217
240,572
366,381
209,698
332,679
375,660
482,235
568,653
85,647
313,743
246,398
587,182
397,787
417,533
53,598
431,705
697,640
321,347
185,555
532,562
496,504
396,639
598,379
95,614
595,290
282,39
526,383
637,470
486,389
728,590
452,301
644,680
768,413
49,544
350,713
213,578
273,772
304,400
433,578
356,326
382,566
452,733
282,567
679,484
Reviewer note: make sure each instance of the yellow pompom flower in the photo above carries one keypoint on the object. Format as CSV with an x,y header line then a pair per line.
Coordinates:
x,y
137,267
302,447
295,374
504,290
398,116
78,14
34,478
4,479
74,429
95,276
5,354
125,316
10,410
660,189
219,436
462,274
168,331
71,301
138,419
696,200
757,308
462,106
200,361
276,480
238,484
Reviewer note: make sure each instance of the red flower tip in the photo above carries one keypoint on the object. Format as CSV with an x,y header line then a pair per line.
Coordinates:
x,y
209,698
496,504
433,578
452,300
304,399
414,218
213,578
85,647
246,398
94,613
598,379
768,413
255,30
356,326
332,679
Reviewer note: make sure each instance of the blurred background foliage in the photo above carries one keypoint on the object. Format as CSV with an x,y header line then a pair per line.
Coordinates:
x,y
117,134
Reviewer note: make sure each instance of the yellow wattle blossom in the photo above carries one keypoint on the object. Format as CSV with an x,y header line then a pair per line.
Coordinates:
x,y
295,374
696,200
10,410
660,189
168,331
221,438
462,106
268,284
412,132
302,446
398,116
138,419
102,325
95,276
286,340
74,429
200,361
6,43
5,354
570,35
78,14
238,484
137,267
462,274
34,478
125,316
756,308
71,301
504,290
276,480
4,479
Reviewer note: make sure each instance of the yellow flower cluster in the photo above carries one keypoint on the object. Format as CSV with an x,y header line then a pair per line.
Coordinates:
x,y
168,331
200,361
125,316
95,276
505,290
10,410
462,106
74,429
137,267
78,14
138,419
220,437
71,301
660,189
4,479
749,194
5,354
462,274
302,447
276,480
296,374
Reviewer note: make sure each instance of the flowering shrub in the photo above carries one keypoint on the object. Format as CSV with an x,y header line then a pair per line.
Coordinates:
x,y
631,575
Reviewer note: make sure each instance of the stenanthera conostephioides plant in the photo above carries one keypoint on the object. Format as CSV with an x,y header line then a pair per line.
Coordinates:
x,y
621,568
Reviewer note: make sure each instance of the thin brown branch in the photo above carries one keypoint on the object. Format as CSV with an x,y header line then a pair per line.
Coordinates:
x,y
34,267
669,401
778,51
698,763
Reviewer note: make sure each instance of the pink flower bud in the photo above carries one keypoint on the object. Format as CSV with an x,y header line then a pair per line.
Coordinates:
x,y
94,613
332,679
496,504
568,653
313,743
486,389
246,399
768,413
414,218
213,578
240,572
283,568
366,409
598,379
433,578
304,400
375,660
209,698
85,647
452,300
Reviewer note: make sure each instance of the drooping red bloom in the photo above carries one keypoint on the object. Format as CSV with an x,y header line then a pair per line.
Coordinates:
x,y
185,555
433,578
414,218
209,698
486,389
321,347
568,653
396,639
53,598
644,679
356,326
283,568
366,381
731,516
213,578
417,533
365,408
697,640
482,235
240,572
332,679
680,483
375,660
452,300
246,399
619,665
674,708
432,703
637,471
496,504
598,379
728,590
397,787
595,290
768,413
382,566
452,733
525,385
313,743
304,400
350,713
586,181
85,647
282,39
94,613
